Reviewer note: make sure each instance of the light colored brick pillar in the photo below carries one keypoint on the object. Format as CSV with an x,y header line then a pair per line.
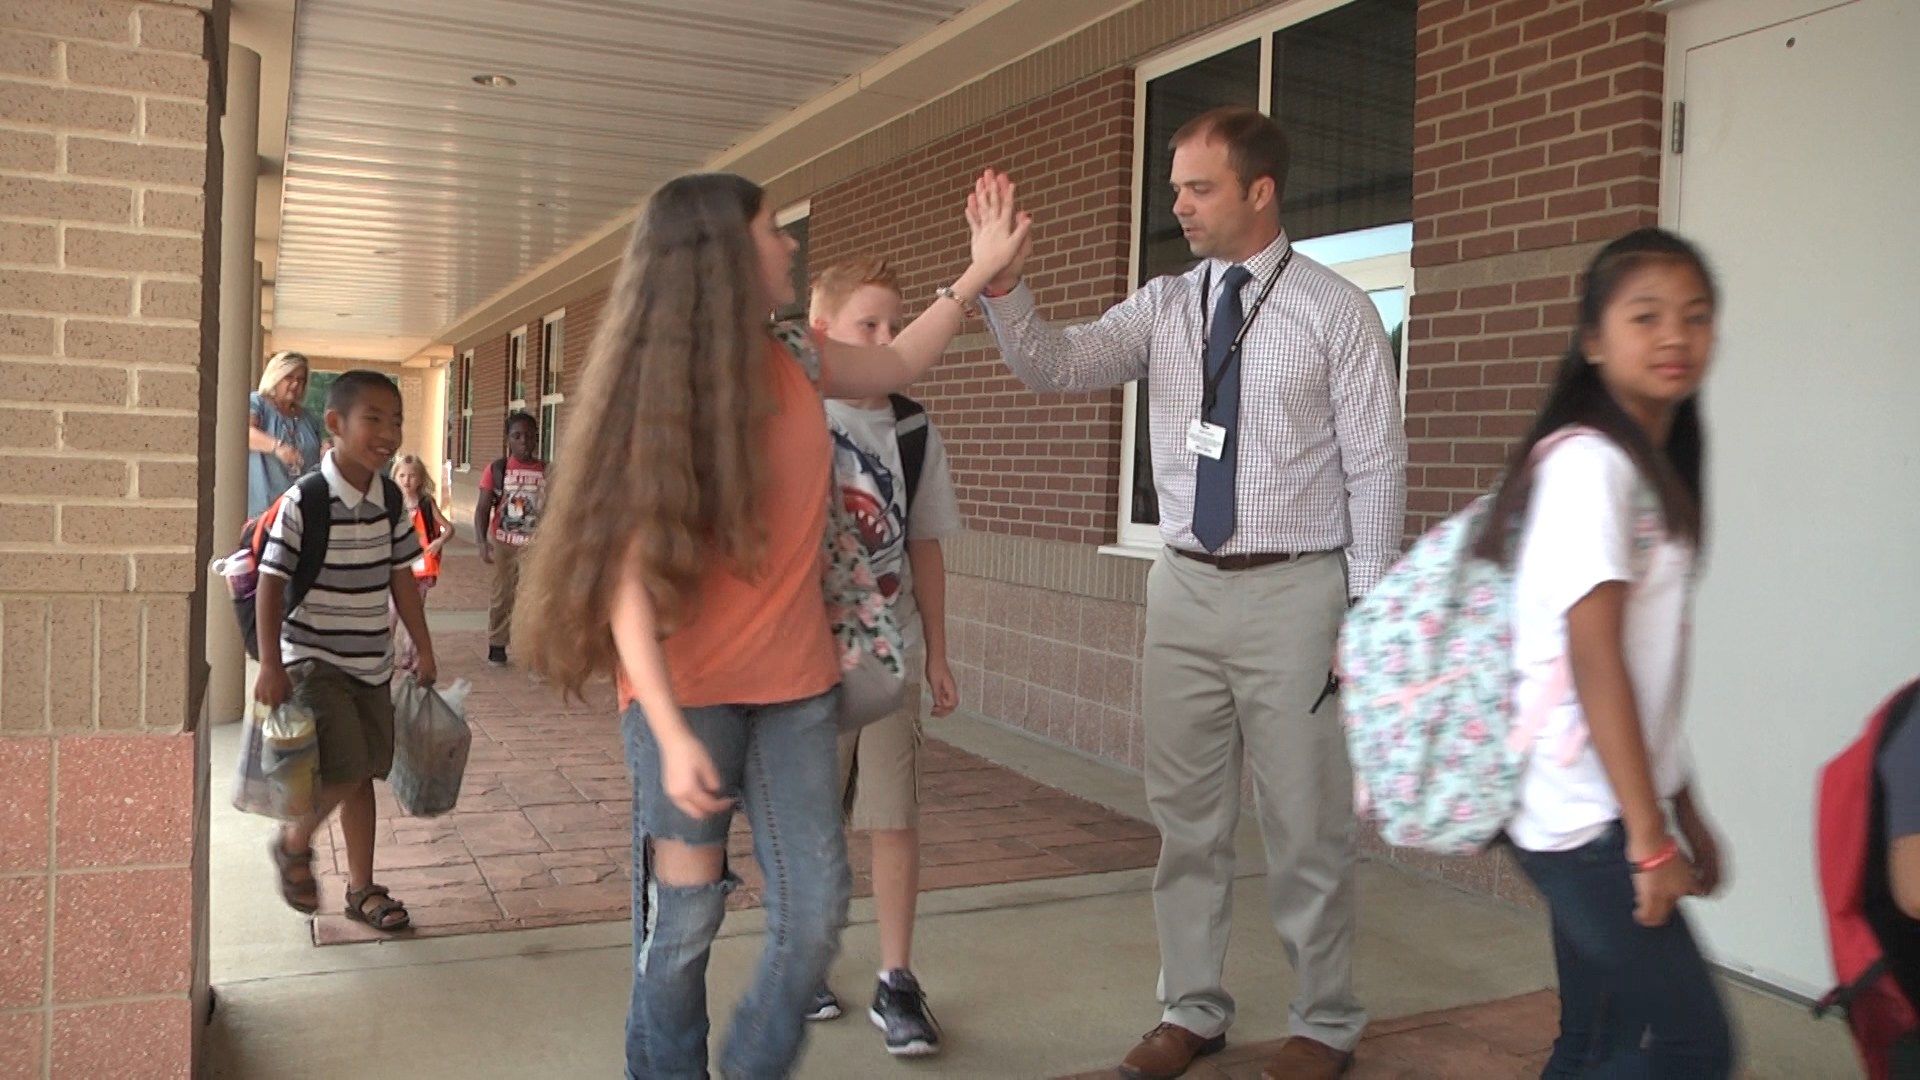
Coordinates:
x,y
227,696
107,170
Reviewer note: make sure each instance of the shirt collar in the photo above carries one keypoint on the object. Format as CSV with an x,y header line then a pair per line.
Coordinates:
x,y
344,490
1260,265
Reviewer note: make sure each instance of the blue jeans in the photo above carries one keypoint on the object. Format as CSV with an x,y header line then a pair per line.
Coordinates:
x,y
781,762
1635,1001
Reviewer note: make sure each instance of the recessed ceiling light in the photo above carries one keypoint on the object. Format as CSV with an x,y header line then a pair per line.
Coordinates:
x,y
497,82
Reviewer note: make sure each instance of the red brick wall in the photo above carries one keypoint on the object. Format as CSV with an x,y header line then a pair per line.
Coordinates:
x,y
1025,464
583,321
489,400
1538,125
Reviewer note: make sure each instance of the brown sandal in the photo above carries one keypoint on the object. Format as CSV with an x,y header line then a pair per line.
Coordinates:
x,y
302,896
380,916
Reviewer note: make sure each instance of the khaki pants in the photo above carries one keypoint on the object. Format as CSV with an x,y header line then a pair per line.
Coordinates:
x,y
880,763
506,580
1235,662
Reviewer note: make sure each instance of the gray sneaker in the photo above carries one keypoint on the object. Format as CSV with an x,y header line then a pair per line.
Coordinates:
x,y
900,1012
824,1005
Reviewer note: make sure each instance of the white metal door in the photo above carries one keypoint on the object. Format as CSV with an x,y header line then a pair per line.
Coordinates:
x,y
1800,177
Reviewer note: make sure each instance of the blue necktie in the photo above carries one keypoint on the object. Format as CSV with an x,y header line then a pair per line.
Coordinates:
x,y
1213,504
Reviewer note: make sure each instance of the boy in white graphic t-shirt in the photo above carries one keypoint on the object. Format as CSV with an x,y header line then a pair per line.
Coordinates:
x,y
892,471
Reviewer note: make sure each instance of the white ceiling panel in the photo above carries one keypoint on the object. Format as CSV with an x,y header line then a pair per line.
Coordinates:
x,y
412,194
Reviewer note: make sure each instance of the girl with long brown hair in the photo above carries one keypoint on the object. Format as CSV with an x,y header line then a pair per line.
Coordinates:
x,y
1602,518
680,551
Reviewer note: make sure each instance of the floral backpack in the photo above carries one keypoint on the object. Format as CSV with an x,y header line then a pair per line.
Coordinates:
x,y
1427,687
872,676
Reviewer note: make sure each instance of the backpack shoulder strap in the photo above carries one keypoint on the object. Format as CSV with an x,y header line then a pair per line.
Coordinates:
x,y
316,526
496,475
396,502
910,428
799,341
908,414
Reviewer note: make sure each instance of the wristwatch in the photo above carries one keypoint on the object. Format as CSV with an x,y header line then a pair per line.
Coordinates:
x,y
946,292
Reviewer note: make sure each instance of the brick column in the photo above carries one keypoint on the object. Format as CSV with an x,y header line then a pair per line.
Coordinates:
x,y
107,173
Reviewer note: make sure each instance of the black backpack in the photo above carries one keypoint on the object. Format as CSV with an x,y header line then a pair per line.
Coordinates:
x,y
314,531
910,427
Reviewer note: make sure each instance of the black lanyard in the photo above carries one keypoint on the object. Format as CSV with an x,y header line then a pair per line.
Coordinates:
x,y
1210,384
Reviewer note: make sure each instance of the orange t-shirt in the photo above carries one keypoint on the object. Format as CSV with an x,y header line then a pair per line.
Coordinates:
x,y
766,640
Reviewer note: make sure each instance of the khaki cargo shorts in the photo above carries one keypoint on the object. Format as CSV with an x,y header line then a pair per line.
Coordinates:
x,y
880,763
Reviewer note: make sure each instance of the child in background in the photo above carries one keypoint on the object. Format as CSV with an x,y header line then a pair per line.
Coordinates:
x,y
431,528
892,471
512,491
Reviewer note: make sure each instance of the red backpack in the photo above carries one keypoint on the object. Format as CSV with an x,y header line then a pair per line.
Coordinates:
x,y
1870,938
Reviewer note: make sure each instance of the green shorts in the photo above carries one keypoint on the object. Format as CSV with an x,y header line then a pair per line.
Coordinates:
x,y
353,721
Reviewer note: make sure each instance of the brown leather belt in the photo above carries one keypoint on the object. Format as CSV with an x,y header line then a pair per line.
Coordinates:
x,y
1251,561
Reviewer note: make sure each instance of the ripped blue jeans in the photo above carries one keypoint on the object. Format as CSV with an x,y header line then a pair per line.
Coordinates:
x,y
781,763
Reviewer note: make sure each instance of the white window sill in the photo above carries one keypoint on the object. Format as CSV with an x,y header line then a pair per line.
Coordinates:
x,y
1124,550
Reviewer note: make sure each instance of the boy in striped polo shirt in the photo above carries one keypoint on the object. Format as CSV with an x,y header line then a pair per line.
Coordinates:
x,y
336,647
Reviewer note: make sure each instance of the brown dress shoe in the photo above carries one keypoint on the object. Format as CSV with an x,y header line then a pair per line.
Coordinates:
x,y
1302,1058
1166,1052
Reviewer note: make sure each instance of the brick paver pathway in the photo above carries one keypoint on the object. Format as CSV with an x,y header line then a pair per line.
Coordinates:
x,y
541,835
1500,1040
466,583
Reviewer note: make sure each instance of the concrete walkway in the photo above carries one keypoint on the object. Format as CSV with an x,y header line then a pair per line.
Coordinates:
x,y
1031,979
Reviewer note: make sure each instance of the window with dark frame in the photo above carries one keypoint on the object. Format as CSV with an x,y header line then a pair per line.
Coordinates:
x,y
466,409
517,370
553,348
801,284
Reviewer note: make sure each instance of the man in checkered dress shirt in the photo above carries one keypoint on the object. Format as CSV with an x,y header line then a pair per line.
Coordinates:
x,y
1241,631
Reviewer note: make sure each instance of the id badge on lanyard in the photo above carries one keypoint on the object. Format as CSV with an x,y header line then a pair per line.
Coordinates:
x,y
1207,440
1204,437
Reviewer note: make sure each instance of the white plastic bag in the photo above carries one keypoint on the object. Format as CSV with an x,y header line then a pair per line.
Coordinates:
x,y
278,771
430,744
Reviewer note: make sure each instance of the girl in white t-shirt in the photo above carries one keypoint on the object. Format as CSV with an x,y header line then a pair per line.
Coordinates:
x,y
1609,513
